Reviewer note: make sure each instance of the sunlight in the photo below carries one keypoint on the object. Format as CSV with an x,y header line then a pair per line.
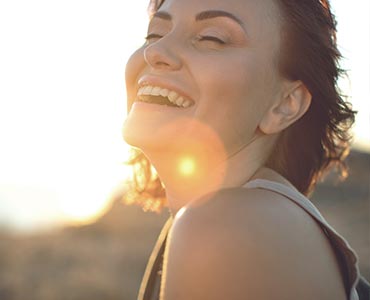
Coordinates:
x,y
187,166
180,213
200,158
85,196
61,131
84,211
85,202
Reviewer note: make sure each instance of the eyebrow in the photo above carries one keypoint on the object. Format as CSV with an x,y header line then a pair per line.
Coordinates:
x,y
211,14
163,15
204,15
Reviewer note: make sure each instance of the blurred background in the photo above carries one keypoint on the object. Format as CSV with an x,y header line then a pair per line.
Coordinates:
x,y
64,230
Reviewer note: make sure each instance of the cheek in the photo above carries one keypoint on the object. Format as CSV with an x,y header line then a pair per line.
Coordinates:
x,y
134,66
232,85
231,75
234,97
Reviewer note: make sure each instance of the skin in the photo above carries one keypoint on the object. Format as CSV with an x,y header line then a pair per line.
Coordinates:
x,y
242,103
261,247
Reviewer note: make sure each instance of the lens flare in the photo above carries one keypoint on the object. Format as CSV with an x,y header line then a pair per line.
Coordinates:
x,y
187,166
195,156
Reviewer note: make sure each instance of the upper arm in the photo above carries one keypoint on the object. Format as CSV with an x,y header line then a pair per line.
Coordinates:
x,y
251,248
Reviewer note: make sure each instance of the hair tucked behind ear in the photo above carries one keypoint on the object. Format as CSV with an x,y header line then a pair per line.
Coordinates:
x,y
320,139
306,150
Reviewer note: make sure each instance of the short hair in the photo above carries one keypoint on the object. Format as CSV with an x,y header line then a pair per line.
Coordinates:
x,y
320,140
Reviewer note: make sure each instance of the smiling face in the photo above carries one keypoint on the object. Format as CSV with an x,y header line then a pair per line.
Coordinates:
x,y
209,63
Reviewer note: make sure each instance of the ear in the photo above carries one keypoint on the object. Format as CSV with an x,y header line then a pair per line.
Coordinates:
x,y
292,105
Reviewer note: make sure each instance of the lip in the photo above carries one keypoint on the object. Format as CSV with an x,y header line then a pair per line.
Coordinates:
x,y
155,81
150,107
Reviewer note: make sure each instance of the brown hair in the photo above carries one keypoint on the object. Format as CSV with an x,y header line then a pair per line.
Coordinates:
x,y
307,149
320,139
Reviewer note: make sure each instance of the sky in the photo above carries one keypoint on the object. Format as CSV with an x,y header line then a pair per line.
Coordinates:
x,y
62,101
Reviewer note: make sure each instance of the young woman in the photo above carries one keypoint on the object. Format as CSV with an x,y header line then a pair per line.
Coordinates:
x,y
235,105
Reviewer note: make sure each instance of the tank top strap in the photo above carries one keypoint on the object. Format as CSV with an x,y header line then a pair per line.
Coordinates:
x,y
345,254
150,284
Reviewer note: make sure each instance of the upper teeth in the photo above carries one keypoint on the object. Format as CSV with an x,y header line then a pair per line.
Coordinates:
x,y
172,96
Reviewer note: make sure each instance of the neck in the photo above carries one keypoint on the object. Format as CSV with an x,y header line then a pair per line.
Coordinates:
x,y
191,173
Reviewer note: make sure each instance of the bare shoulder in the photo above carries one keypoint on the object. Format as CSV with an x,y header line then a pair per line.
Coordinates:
x,y
248,244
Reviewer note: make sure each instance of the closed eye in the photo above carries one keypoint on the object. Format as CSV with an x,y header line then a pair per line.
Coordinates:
x,y
153,36
211,38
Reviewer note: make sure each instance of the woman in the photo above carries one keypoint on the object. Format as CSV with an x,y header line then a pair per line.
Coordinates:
x,y
235,105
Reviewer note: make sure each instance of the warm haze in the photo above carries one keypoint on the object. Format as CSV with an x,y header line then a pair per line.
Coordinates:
x,y
63,101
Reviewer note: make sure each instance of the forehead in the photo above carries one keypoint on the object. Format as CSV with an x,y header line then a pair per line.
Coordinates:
x,y
245,9
261,17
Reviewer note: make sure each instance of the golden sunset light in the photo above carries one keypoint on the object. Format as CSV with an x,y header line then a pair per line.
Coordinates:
x,y
187,166
197,149
87,209
65,103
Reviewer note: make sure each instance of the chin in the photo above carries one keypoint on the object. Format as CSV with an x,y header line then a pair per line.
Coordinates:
x,y
154,126
151,135
137,134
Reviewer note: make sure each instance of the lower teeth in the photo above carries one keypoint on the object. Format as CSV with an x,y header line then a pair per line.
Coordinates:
x,y
157,100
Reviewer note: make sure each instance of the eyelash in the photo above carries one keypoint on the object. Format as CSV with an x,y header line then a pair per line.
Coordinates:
x,y
199,38
153,36
210,38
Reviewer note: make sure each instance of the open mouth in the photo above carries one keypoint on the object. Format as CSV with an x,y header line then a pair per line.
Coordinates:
x,y
156,100
162,96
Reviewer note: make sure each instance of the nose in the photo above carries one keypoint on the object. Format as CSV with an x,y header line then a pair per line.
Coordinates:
x,y
162,55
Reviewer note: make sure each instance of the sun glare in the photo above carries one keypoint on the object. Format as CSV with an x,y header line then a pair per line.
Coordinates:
x,y
85,198
69,156
83,211
187,166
